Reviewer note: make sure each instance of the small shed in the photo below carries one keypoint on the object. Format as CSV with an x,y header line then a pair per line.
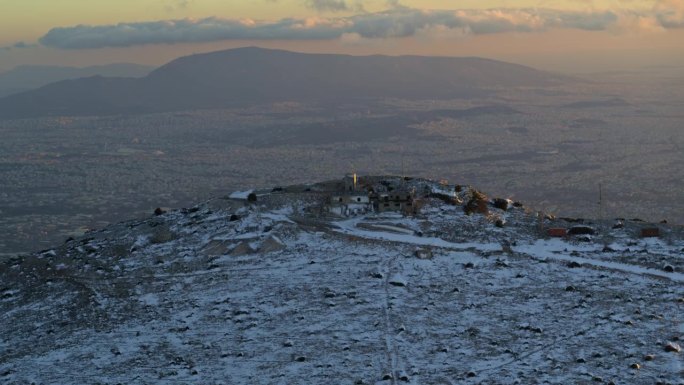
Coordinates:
x,y
581,230
558,232
650,232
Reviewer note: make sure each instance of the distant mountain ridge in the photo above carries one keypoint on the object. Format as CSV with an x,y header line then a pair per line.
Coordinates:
x,y
252,76
29,77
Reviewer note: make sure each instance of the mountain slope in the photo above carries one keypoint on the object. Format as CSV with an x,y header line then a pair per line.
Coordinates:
x,y
248,76
24,78
271,292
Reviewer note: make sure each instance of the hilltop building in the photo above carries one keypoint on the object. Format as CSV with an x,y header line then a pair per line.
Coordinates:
x,y
355,197
351,200
403,201
351,183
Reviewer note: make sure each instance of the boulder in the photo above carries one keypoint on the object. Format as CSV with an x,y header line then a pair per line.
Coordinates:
x,y
242,248
216,247
424,254
397,280
271,244
162,234
673,347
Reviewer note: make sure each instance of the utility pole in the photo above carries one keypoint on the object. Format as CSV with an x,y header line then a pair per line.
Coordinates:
x,y
402,165
540,217
600,202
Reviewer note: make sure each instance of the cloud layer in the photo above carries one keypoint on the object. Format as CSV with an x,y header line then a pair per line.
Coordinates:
x,y
18,45
394,23
328,5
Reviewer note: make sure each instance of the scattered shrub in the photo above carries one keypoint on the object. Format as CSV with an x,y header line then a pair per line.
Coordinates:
x,y
501,204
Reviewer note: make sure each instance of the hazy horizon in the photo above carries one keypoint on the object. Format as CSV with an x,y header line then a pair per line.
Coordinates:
x,y
562,36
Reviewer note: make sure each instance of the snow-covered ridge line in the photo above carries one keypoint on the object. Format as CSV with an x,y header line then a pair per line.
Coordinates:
x,y
277,290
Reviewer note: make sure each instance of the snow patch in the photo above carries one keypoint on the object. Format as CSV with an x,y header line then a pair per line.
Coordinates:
x,y
240,194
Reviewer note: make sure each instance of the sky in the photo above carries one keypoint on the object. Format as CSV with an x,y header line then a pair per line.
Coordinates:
x,y
564,35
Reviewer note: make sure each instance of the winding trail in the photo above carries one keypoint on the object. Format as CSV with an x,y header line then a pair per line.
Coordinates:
x,y
540,249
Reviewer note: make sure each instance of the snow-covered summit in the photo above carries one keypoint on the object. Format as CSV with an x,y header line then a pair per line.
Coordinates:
x,y
275,287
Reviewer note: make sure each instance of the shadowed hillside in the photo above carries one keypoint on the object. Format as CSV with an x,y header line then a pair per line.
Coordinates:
x,y
24,78
249,76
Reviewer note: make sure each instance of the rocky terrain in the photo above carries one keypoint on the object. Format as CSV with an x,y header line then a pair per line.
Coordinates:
x,y
266,288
